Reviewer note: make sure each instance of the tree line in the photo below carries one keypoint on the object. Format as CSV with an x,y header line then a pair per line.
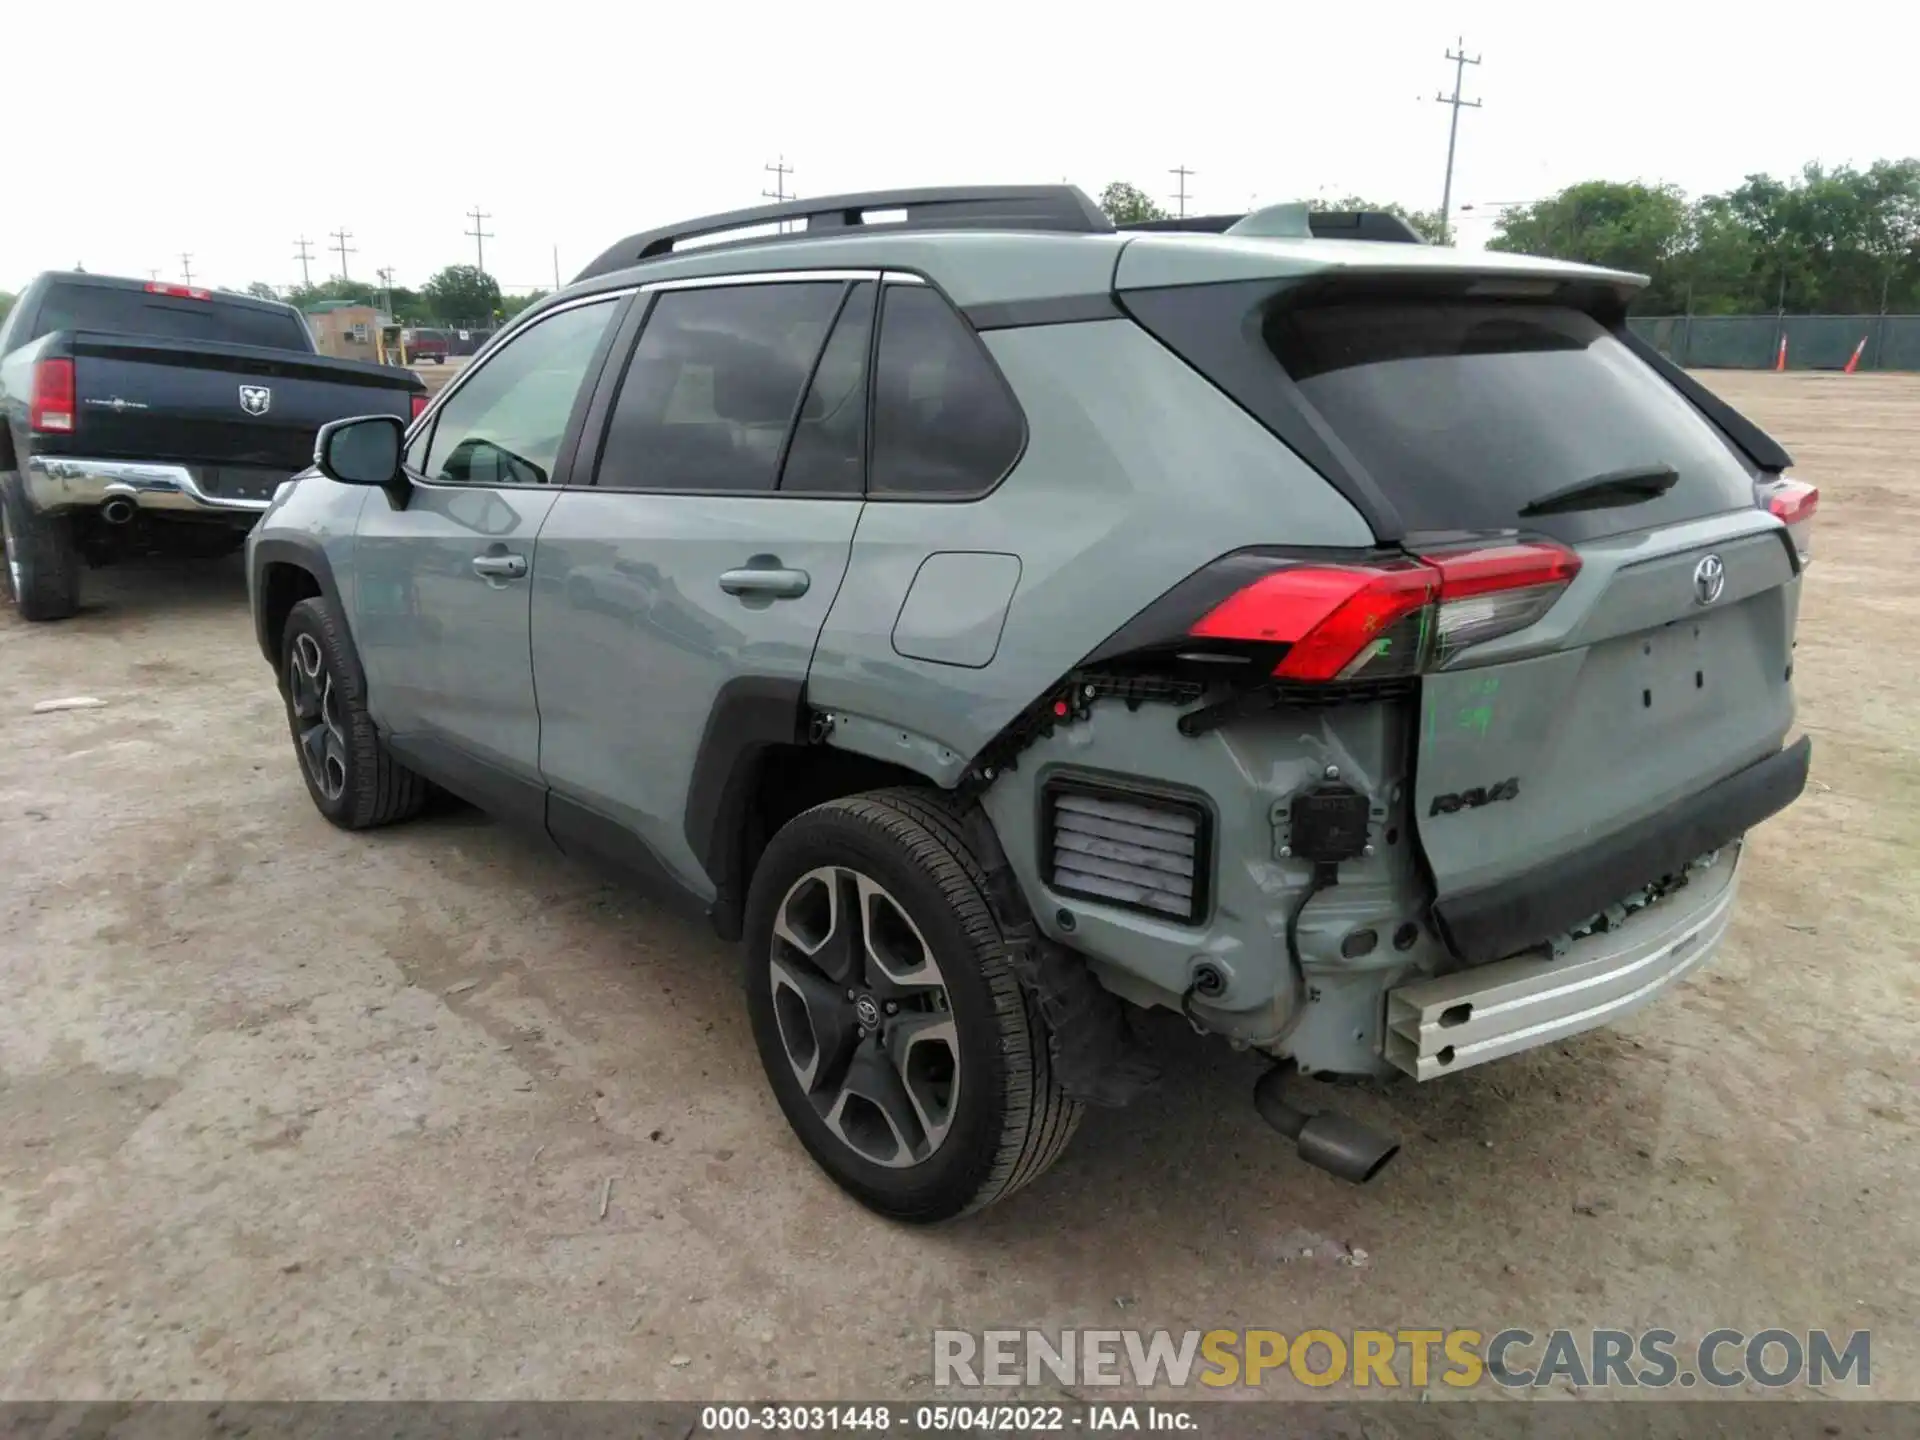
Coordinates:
x,y
455,295
1834,240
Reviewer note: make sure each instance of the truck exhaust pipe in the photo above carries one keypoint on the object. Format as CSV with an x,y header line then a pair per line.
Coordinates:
x,y
1329,1140
117,511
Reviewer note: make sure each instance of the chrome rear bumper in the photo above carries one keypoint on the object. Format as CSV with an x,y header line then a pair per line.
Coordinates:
x,y
55,483
1437,1027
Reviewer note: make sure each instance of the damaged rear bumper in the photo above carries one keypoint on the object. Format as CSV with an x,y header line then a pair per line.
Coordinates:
x,y
1436,1027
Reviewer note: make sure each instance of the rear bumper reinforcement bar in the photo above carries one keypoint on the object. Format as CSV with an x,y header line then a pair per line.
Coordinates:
x,y
1435,1027
54,483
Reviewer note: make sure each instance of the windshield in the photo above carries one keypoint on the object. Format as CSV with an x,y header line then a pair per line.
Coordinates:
x,y
120,311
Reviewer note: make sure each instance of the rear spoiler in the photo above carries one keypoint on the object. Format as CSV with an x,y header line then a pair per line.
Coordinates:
x,y
1378,225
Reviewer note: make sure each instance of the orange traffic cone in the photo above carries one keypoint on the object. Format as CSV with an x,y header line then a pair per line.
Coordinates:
x,y
1853,361
1780,361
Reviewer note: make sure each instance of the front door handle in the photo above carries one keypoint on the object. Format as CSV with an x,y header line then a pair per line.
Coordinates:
x,y
772,583
500,567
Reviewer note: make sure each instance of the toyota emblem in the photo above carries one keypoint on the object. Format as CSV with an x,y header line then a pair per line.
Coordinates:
x,y
1709,579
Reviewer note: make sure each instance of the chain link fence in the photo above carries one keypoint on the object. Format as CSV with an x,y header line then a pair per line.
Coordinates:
x,y
1814,342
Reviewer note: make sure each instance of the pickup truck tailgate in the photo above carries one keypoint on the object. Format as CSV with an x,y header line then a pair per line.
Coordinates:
x,y
212,404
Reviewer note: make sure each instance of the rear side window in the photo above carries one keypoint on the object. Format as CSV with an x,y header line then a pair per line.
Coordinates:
x,y
1464,413
119,311
944,423
713,386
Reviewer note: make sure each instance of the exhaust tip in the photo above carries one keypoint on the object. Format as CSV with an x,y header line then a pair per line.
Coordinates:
x,y
1345,1147
1329,1141
117,511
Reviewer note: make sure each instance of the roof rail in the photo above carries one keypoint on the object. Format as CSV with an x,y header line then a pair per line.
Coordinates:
x,y
1325,224
958,207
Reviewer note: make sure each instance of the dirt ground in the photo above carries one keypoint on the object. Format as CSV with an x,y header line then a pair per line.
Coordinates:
x,y
288,1113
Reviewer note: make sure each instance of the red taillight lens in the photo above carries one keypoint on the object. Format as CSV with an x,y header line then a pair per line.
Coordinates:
x,y
419,406
1395,618
179,292
1793,502
50,408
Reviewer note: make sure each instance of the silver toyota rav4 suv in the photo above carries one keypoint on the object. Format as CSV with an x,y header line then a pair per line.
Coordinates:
x,y
1004,623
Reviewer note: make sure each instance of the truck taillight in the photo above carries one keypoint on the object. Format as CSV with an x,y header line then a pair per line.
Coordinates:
x,y
179,292
50,406
1388,619
419,406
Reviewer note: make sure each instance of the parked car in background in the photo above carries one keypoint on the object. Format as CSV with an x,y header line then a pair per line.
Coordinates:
x,y
137,417
425,347
1369,651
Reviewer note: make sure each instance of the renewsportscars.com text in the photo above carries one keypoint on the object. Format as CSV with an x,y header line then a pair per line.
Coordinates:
x,y
1392,1359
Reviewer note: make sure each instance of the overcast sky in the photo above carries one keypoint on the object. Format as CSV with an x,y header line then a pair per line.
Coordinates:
x,y
229,130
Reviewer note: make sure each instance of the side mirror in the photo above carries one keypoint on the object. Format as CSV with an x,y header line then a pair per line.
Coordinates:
x,y
361,451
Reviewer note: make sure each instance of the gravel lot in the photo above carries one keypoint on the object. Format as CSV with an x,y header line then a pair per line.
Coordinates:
x,y
286,1113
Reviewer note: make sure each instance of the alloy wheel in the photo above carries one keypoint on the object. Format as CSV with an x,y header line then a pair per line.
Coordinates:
x,y
864,1017
316,721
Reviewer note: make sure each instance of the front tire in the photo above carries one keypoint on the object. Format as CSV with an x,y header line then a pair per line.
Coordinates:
x,y
891,1026
354,782
42,565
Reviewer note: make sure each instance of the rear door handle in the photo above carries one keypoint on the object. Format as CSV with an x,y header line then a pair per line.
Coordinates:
x,y
775,584
500,567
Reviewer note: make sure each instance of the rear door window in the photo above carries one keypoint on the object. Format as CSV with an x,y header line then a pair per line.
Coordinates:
x,y
1465,413
828,447
117,310
945,425
714,385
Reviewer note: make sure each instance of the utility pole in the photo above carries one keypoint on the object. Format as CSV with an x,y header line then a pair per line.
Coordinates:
x,y
155,275
556,267
186,267
479,238
1460,60
1182,172
385,272
779,170
340,238
304,256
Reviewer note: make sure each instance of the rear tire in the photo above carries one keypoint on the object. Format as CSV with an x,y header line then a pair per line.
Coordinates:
x,y
354,782
943,1103
42,566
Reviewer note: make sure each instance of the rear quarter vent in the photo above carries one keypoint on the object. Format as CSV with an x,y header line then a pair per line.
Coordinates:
x,y
1131,849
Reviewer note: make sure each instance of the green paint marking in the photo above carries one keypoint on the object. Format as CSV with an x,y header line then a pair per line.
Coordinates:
x,y
1476,717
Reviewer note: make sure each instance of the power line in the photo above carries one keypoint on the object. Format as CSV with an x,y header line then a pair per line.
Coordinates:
x,y
304,256
1183,173
1460,60
186,267
479,238
340,238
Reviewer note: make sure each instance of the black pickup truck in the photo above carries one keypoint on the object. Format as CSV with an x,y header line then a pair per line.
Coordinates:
x,y
138,417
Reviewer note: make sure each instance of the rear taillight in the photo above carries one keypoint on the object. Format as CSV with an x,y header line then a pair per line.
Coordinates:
x,y
1793,502
179,292
1793,505
419,406
50,408
1392,618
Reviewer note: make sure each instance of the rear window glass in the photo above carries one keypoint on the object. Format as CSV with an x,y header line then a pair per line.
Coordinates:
x,y
135,312
1463,413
